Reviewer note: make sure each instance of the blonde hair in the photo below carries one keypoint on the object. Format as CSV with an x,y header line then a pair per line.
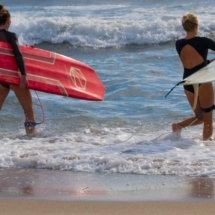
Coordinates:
x,y
189,21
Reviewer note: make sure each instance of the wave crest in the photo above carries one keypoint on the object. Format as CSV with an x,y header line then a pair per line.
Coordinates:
x,y
99,32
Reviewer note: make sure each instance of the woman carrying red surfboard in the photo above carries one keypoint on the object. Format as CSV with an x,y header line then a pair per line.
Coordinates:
x,y
22,93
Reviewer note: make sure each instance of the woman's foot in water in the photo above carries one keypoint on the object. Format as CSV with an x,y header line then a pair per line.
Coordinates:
x,y
176,127
30,128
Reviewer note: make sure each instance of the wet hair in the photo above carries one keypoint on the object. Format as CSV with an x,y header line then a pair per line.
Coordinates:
x,y
4,14
189,21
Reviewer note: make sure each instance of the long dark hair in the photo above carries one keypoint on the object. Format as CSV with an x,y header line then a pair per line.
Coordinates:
x,y
4,14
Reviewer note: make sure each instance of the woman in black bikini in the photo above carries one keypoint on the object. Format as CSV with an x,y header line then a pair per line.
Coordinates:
x,y
193,51
22,93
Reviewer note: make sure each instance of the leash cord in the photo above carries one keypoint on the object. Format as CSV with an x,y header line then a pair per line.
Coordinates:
x,y
41,106
31,124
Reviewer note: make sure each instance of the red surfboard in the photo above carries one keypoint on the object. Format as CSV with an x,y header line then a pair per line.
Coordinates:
x,y
51,73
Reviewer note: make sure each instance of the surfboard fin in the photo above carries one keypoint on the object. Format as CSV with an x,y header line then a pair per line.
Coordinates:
x,y
196,93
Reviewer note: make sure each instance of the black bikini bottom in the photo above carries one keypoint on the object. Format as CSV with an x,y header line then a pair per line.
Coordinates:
x,y
5,85
189,88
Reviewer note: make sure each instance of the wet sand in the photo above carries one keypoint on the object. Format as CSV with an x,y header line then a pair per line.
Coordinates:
x,y
26,191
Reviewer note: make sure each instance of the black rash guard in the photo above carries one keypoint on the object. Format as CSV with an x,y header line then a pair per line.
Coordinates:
x,y
6,36
201,45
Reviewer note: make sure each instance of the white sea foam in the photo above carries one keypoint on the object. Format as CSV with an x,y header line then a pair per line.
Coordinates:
x,y
105,25
104,150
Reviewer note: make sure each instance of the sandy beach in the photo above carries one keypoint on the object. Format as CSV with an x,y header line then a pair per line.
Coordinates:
x,y
31,191
9,207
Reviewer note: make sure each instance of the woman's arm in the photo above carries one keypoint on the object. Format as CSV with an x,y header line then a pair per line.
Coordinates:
x,y
19,59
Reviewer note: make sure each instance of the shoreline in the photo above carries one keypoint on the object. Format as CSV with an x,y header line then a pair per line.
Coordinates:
x,y
38,191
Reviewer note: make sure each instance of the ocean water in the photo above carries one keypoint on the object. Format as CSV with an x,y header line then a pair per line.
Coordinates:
x,y
131,45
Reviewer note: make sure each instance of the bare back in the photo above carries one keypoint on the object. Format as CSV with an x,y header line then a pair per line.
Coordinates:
x,y
190,58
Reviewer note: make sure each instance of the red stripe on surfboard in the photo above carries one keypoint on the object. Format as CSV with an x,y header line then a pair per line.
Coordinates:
x,y
50,59
39,79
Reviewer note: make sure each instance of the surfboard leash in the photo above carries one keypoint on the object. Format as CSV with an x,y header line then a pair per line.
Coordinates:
x,y
205,110
140,127
181,82
31,124
133,134
198,117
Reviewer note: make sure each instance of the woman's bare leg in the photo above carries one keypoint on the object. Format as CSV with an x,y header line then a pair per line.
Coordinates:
x,y
25,99
206,99
191,120
3,95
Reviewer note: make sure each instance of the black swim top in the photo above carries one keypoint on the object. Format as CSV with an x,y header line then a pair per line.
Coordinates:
x,y
201,45
6,36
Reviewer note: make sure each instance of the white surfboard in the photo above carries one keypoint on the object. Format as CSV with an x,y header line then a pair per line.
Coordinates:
x,y
204,75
